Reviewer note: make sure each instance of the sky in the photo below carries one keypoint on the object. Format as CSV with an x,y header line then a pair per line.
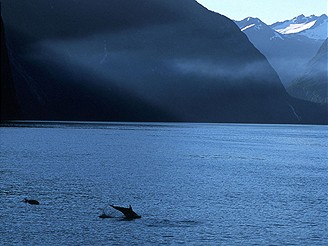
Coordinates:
x,y
269,11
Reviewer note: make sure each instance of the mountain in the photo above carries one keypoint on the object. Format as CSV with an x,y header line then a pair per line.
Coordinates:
x,y
313,84
314,27
286,53
254,26
9,102
138,60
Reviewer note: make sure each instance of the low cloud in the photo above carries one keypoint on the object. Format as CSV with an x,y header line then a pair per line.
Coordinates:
x,y
214,69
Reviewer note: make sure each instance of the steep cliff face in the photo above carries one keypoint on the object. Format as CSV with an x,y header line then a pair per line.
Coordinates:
x,y
9,103
144,60
313,84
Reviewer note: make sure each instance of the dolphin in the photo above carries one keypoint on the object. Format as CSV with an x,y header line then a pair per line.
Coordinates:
x,y
32,202
128,212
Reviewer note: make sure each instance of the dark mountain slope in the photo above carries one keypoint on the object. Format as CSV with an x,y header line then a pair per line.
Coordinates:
x,y
309,112
9,103
313,84
68,93
144,60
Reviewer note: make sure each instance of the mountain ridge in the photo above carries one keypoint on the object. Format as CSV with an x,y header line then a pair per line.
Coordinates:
x,y
188,65
313,26
282,50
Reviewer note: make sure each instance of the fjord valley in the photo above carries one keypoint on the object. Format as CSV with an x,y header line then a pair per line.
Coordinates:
x,y
297,50
147,122
162,61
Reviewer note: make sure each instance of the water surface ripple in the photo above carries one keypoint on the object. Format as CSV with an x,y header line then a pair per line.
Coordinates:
x,y
194,184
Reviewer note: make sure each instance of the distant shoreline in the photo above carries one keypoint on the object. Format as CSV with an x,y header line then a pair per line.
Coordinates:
x,y
47,123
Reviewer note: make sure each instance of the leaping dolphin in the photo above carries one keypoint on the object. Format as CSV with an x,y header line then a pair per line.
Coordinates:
x,y
128,212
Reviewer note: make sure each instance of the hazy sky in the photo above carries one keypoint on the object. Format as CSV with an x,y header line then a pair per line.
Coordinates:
x,y
269,11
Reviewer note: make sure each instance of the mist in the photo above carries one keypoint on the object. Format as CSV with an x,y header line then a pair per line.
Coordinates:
x,y
138,60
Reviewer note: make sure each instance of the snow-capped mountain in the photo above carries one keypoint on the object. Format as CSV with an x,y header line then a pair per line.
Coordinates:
x,y
255,25
314,27
287,53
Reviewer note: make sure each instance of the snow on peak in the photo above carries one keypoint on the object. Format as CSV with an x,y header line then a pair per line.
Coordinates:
x,y
250,22
312,26
255,24
318,31
296,28
246,27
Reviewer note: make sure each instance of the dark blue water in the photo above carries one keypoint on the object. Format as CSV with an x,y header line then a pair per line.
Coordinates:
x,y
195,184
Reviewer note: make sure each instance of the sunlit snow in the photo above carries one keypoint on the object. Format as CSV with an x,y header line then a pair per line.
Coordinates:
x,y
296,28
246,27
318,32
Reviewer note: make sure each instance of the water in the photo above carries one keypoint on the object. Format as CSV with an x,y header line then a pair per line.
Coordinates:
x,y
194,184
